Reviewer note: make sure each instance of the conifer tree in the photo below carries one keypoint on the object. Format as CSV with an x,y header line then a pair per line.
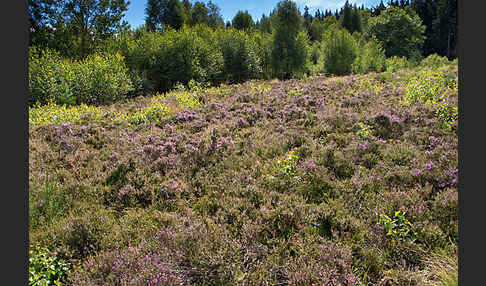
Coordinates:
x,y
199,13
346,18
243,21
289,54
356,20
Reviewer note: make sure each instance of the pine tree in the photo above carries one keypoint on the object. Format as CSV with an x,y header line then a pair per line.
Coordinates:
x,y
346,19
378,9
265,25
175,16
162,14
155,11
444,28
356,20
307,18
187,10
243,21
199,13
214,15
289,54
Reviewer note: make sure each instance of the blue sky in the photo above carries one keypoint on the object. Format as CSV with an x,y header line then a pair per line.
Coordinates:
x,y
136,10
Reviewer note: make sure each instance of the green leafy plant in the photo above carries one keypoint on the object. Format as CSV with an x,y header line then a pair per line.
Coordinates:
x,y
46,269
398,228
153,113
288,165
433,88
364,131
396,63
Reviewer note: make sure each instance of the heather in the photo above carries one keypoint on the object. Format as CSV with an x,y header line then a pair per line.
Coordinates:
x,y
318,181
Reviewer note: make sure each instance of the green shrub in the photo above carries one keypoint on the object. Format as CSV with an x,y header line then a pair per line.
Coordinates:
x,y
239,50
98,79
398,228
153,113
45,269
50,77
290,46
434,88
396,63
101,79
181,56
434,61
264,51
339,52
370,58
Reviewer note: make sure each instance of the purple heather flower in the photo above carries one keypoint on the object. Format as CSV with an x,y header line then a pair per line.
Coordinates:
x,y
429,165
416,172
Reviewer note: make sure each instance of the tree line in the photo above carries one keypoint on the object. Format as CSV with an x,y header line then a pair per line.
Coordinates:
x,y
183,41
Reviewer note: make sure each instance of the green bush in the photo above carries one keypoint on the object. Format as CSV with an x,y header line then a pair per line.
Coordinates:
x,y
434,61
101,79
339,51
398,227
50,77
396,63
241,60
264,51
98,79
45,269
163,60
370,58
435,88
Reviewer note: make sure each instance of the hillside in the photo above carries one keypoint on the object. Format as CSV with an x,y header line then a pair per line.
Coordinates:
x,y
296,182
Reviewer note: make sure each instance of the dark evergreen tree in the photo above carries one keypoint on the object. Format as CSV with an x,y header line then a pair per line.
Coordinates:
x,y
214,15
444,28
307,18
288,57
265,25
243,21
376,11
426,10
346,17
199,13
187,10
162,14
176,16
155,11
355,20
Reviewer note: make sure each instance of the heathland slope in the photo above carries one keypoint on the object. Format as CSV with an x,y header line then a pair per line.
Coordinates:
x,y
321,181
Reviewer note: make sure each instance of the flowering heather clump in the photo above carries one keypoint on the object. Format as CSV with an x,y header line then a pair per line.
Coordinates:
x,y
259,183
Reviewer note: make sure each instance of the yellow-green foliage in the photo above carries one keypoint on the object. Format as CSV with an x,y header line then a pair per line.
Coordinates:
x,y
101,79
364,130
434,88
49,77
98,79
153,113
395,63
435,61
339,52
54,113
367,84
370,57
